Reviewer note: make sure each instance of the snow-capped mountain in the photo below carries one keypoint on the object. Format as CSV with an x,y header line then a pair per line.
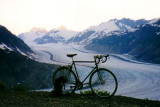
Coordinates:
x,y
10,42
107,28
42,36
143,42
116,25
34,33
55,36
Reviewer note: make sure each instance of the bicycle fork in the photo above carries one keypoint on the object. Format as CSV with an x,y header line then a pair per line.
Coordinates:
x,y
100,77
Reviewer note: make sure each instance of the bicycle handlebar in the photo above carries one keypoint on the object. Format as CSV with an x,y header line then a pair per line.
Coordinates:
x,y
102,58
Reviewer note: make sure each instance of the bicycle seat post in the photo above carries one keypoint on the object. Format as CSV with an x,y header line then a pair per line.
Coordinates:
x,y
71,56
72,59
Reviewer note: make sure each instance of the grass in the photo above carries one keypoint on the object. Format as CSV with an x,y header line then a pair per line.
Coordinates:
x,y
101,93
42,99
20,88
88,92
3,86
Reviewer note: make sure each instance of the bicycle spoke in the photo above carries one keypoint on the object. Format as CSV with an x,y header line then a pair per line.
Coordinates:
x,y
100,78
103,83
70,79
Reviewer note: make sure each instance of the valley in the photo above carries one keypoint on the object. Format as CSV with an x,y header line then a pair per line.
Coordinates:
x,y
135,79
134,46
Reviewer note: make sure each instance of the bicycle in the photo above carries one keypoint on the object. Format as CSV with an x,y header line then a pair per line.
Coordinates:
x,y
102,81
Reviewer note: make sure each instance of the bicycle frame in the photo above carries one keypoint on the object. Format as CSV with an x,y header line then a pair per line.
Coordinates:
x,y
98,77
74,65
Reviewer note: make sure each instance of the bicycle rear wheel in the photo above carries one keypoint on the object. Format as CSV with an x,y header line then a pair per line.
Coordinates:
x,y
69,85
103,83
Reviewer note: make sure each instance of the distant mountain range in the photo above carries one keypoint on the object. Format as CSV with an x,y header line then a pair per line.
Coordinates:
x,y
40,36
107,28
55,36
143,42
34,33
135,37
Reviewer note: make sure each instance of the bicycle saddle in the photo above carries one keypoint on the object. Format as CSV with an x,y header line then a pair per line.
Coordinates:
x,y
71,55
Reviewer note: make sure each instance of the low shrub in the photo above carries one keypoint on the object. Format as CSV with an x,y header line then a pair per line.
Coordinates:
x,y
3,86
102,93
86,92
20,88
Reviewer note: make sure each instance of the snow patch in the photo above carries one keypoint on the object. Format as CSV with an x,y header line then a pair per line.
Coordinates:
x,y
158,33
62,33
4,47
120,24
128,27
29,37
131,42
21,51
106,27
154,20
132,30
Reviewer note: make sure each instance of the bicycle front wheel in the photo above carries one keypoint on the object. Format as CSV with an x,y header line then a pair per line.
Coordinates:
x,y
69,84
103,83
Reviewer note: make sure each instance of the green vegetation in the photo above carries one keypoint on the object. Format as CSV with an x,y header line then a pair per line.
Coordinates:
x,y
88,92
18,69
102,93
20,88
3,86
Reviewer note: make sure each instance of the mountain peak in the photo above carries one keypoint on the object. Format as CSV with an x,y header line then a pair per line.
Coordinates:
x,y
113,20
36,29
62,27
116,26
155,20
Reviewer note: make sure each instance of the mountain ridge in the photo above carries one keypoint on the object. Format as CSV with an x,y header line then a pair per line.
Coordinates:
x,y
13,43
17,65
70,36
113,25
114,36
143,43
52,36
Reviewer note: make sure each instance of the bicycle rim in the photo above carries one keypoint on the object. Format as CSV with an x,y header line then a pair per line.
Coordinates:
x,y
70,79
103,83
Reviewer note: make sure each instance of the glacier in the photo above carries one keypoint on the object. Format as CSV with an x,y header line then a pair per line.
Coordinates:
x,y
135,79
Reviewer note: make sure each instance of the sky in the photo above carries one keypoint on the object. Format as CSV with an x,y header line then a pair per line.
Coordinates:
x,y
20,16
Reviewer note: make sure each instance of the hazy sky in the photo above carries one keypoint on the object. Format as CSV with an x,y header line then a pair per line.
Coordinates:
x,y
22,15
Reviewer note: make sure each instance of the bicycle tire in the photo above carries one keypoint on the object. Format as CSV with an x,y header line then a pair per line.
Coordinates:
x,y
103,83
70,79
